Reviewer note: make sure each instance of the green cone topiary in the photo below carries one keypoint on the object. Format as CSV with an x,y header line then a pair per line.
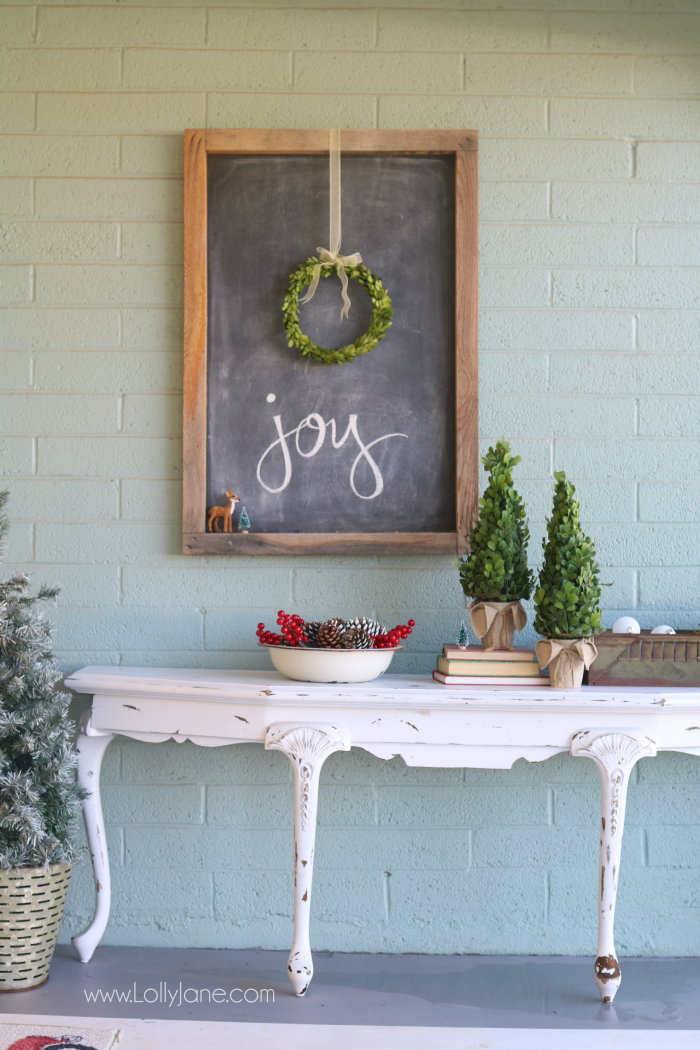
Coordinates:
x,y
567,601
496,569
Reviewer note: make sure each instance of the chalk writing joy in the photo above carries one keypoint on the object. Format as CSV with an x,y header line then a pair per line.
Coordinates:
x,y
307,439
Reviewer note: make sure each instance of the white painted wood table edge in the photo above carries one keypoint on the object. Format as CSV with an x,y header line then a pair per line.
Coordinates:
x,y
412,716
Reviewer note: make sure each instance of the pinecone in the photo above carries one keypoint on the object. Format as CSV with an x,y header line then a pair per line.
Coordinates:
x,y
357,638
371,627
311,629
329,634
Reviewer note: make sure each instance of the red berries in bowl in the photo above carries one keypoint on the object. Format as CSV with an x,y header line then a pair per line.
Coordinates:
x,y
358,633
394,637
292,631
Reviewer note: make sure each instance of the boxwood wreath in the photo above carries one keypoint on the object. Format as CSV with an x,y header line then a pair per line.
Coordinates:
x,y
382,313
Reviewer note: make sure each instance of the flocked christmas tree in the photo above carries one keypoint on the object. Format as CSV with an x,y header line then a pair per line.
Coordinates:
x,y
567,600
496,569
39,795
244,521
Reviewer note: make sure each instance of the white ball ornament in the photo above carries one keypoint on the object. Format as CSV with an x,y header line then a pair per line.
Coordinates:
x,y
626,625
663,628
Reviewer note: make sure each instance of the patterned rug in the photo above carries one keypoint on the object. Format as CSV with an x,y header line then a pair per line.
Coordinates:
x,y
46,1037
144,1034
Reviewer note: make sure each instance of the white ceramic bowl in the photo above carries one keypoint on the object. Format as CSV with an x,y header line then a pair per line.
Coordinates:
x,y
331,665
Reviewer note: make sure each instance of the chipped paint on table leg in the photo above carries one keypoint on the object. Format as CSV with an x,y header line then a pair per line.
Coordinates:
x,y
615,753
307,747
90,751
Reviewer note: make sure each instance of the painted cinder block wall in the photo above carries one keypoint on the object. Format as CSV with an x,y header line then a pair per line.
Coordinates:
x,y
589,122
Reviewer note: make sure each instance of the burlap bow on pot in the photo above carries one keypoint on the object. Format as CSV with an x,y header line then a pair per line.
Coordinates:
x,y
567,660
496,622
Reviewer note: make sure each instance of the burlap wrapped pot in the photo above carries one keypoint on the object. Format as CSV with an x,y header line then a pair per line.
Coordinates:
x,y
495,623
567,660
31,905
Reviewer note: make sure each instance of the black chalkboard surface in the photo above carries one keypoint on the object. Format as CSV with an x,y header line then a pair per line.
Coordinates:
x,y
365,448
391,411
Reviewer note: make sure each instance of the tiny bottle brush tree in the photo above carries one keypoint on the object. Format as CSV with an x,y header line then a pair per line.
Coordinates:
x,y
39,796
244,521
496,568
567,600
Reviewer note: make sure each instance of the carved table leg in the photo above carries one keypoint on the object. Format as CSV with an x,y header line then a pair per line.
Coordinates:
x,y
615,752
90,751
307,748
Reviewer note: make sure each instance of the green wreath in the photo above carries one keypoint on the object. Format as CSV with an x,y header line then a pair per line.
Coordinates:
x,y
382,313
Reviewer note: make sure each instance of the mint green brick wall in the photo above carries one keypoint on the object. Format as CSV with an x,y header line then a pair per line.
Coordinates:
x,y
589,122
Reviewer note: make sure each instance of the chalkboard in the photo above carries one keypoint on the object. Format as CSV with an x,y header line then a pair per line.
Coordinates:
x,y
363,456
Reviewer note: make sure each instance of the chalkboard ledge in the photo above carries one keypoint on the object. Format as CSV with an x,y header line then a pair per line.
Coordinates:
x,y
322,543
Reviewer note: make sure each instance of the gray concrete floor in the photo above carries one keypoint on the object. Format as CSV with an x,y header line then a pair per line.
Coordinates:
x,y
417,990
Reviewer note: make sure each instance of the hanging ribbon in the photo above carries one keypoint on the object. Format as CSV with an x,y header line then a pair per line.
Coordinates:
x,y
333,257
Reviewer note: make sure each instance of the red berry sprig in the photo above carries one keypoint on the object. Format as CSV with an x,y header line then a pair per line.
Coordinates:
x,y
292,633
393,638
266,637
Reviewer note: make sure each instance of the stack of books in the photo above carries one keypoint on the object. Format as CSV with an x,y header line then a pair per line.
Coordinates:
x,y
472,665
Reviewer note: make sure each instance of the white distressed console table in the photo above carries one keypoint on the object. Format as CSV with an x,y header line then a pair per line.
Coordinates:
x,y
408,715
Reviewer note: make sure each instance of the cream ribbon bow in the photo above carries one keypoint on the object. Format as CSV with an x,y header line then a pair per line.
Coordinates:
x,y
496,622
332,257
566,659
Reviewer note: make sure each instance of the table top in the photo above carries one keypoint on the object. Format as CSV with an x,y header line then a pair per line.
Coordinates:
x,y
396,690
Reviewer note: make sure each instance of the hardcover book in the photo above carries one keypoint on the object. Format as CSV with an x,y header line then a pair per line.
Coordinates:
x,y
492,668
469,679
475,652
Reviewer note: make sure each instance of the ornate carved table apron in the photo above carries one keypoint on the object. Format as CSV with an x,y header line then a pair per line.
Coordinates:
x,y
408,715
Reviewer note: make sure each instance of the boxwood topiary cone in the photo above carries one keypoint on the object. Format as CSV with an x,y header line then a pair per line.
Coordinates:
x,y
567,601
568,596
496,569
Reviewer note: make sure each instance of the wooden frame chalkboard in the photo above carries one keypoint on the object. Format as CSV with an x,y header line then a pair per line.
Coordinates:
x,y
202,294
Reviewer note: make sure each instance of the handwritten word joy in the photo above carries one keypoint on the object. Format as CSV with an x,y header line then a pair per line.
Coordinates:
x,y
315,422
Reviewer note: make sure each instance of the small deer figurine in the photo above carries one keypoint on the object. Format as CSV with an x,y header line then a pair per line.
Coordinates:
x,y
222,512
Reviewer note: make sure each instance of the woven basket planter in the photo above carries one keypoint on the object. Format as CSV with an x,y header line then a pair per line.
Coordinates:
x,y
31,905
